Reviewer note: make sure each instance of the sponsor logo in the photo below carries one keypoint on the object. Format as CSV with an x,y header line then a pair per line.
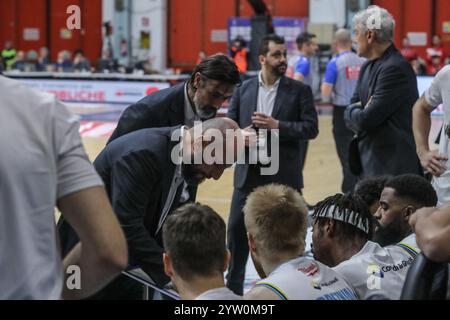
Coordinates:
x,y
375,275
310,269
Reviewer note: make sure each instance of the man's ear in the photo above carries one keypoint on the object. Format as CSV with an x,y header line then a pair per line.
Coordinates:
x,y
197,79
251,242
227,260
409,211
167,265
262,59
371,36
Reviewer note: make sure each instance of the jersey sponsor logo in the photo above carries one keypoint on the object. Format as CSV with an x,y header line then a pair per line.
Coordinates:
x,y
375,275
310,269
398,266
352,72
316,285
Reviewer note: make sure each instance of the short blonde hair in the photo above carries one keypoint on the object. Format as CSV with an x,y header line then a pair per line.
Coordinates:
x,y
276,216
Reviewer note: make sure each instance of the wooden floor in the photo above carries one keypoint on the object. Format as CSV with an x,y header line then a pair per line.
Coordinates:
x,y
322,172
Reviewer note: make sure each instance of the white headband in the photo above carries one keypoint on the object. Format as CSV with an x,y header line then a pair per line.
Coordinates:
x,y
345,216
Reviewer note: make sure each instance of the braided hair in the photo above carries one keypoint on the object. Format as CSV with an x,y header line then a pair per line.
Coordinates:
x,y
352,211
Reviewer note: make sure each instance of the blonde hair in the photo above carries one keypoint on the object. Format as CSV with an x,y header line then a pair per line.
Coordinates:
x,y
276,216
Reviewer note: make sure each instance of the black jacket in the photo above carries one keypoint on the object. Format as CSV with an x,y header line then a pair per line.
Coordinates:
x,y
163,108
137,171
294,108
387,144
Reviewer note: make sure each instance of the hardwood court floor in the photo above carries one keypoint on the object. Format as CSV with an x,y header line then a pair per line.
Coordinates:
x,y
322,171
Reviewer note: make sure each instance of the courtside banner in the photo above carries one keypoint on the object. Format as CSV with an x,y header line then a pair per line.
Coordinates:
x,y
122,92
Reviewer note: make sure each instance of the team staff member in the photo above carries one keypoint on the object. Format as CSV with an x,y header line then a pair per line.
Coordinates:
x,y
211,84
341,76
270,101
381,110
145,183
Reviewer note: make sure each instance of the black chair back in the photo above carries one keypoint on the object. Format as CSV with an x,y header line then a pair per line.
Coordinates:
x,y
426,280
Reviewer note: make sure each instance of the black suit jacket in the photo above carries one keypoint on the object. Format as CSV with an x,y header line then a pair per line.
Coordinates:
x,y
137,171
294,108
387,143
163,108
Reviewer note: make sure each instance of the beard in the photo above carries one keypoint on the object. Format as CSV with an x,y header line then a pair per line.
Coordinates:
x,y
390,234
191,176
204,111
279,70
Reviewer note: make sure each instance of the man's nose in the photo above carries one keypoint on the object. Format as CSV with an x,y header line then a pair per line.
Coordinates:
x,y
377,214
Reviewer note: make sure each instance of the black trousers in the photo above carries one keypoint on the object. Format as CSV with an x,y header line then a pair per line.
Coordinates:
x,y
342,137
237,242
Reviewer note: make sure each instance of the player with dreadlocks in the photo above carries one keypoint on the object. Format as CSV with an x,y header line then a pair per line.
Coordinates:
x,y
342,226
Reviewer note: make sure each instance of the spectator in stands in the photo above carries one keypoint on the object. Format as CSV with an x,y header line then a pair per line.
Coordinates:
x,y
276,220
410,54
435,65
239,53
407,51
342,231
419,66
195,255
107,64
435,52
43,60
46,166
400,198
370,190
80,62
8,55
432,228
64,62
32,61
19,61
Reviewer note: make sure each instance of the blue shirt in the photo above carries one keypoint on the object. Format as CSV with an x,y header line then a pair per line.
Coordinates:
x,y
303,67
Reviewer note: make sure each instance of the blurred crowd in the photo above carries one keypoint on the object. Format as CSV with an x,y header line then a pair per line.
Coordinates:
x,y
12,59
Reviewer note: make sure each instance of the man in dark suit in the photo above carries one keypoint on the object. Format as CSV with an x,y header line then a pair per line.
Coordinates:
x,y
144,174
211,84
381,109
273,102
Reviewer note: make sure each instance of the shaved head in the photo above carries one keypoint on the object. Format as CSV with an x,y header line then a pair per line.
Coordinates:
x,y
343,37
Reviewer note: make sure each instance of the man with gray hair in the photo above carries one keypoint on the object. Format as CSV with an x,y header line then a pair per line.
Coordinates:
x,y
381,109
338,87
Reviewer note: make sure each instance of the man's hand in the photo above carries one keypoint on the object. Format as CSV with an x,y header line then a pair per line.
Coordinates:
x,y
263,121
433,162
250,136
